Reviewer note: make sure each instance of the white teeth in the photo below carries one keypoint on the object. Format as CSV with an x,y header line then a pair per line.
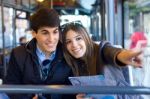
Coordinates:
x,y
76,50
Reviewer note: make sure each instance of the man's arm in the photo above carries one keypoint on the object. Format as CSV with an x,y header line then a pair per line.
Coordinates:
x,y
13,75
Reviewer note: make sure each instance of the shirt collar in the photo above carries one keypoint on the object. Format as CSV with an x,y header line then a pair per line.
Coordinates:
x,y
42,56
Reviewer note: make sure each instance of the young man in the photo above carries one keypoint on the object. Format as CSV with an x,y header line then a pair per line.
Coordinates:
x,y
40,61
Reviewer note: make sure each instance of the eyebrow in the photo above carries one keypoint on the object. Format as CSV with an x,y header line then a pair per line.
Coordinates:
x,y
45,30
75,36
56,29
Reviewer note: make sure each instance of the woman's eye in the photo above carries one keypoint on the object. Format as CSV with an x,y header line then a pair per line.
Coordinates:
x,y
67,42
79,38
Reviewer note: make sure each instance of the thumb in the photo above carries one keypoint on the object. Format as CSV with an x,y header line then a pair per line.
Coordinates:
x,y
35,97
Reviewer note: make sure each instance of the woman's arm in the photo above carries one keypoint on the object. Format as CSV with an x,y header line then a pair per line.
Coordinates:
x,y
118,56
130,57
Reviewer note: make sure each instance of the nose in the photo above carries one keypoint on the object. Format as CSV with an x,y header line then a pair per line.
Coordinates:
x,y
74,44
50,37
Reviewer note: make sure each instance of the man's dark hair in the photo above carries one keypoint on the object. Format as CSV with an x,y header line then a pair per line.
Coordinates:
x,y
44,17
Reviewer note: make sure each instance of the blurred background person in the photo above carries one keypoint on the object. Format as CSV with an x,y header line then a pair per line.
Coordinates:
x,y
138,39
22,40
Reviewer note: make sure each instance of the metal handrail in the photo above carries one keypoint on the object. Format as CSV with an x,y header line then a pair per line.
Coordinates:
x,y
62,89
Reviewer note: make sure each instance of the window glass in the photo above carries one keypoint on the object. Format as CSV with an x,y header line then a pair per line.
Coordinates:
x,y
0,31
8,31
137,37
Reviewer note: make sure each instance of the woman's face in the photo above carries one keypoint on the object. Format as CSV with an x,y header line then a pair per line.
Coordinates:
x,y
75,44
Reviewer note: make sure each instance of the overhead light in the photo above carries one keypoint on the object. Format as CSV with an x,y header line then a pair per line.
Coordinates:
x,y
40,0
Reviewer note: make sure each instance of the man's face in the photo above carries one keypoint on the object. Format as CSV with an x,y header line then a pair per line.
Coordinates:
x,y
47,39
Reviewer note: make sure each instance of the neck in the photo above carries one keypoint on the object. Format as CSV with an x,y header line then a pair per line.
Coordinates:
x,y
47,54
83,58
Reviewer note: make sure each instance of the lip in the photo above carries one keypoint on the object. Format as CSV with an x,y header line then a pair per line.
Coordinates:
x,y
50,45
76,50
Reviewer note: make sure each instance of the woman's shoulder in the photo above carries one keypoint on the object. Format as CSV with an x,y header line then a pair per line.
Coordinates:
x,y
100,44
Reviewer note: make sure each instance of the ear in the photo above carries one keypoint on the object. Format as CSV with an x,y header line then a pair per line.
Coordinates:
x,y
34,33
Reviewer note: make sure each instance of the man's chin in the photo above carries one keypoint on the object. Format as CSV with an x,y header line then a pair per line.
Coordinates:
x,y
52,50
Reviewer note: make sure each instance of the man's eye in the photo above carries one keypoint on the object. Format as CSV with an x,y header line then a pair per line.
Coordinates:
x,y
45,33
55,32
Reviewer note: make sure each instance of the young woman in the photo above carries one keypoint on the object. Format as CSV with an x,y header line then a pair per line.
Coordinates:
x,y
88,58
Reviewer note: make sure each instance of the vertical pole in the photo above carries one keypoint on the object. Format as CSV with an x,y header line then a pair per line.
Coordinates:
x,y
30,4
119,23
123,33
51,4
3,38
14,28
102,11
110,20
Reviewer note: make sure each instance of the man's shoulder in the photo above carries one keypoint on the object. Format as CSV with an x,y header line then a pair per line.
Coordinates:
x,y
20,48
